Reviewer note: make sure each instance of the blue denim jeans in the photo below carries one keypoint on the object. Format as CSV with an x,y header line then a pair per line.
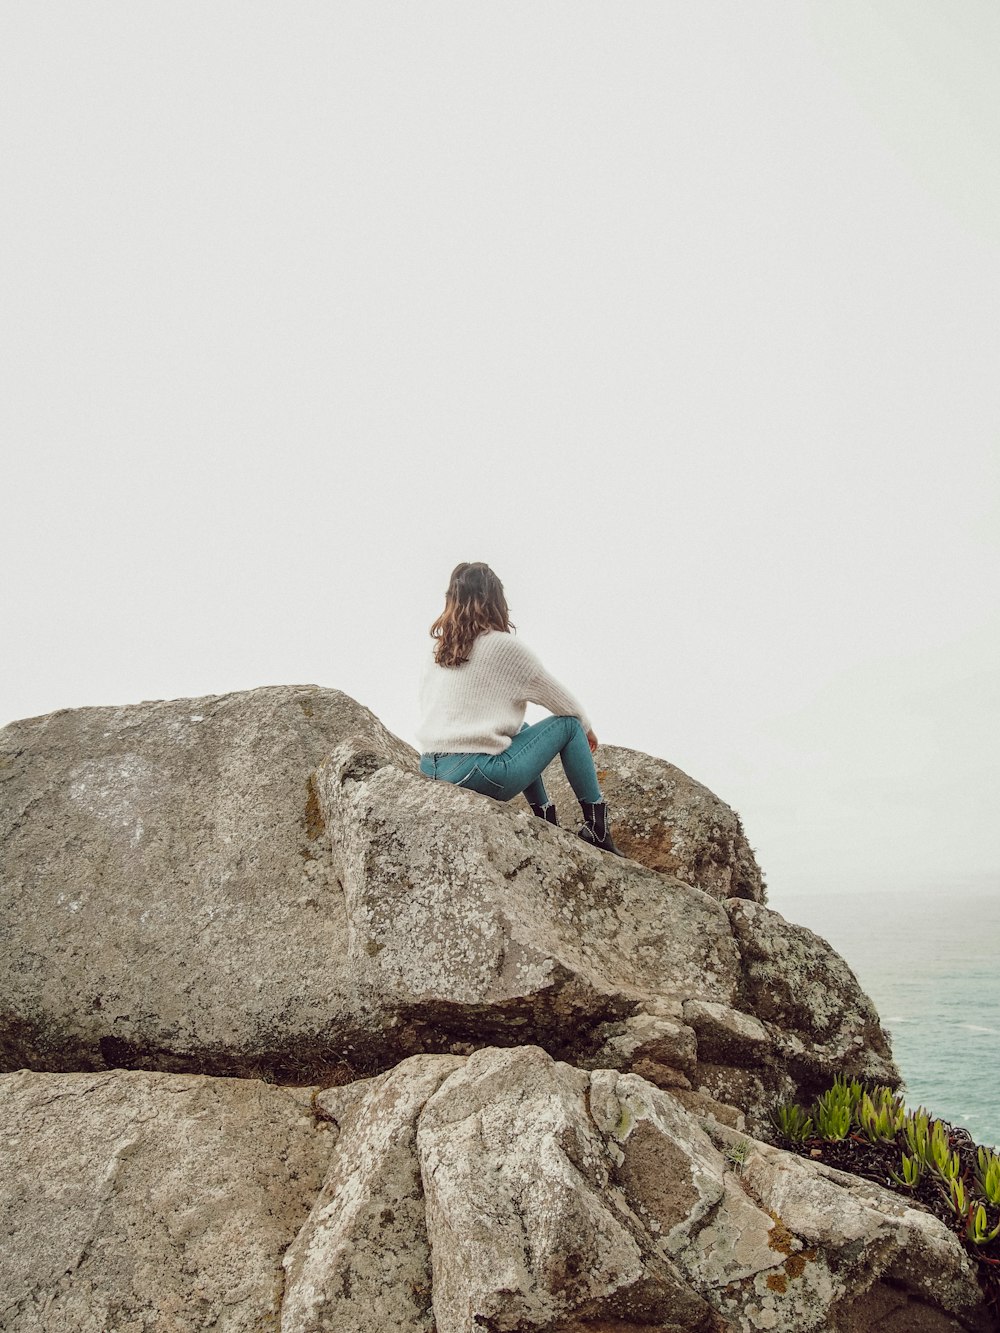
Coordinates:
x,y
520,766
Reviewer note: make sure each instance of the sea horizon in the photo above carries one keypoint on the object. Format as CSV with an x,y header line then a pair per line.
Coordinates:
x,y
930,962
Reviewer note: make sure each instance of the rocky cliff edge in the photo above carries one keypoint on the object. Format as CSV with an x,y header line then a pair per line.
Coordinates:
x,y
305,1040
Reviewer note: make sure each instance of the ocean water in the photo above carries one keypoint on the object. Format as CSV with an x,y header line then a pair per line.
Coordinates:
x,y
931,964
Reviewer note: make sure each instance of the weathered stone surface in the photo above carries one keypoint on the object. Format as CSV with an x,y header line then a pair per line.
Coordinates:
x,y
669,822
560,1200
727,1035
663,1044
526,1227
473,917
557,1199
852,1256
264,883
820,1020
362,1260
481,923
163,891
502,1191
133,1201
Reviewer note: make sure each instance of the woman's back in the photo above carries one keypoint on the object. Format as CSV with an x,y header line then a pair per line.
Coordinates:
x,y
479,706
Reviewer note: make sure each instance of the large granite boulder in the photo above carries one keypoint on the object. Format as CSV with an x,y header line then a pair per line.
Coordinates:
x,y
482,923
134,1201
161,888
669,822
502,1191
264,884
557,1199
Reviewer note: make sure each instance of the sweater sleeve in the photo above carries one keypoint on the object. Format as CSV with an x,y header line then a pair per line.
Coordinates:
x,y
545,690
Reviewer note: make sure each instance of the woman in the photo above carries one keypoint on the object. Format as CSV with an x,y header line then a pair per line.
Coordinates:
x,y
477,682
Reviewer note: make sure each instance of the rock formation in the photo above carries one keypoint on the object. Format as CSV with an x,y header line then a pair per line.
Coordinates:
x,y
668,822
544,1072
500,1191
135,1200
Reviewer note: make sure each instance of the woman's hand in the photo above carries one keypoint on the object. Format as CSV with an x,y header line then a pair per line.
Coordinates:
x,y
592,742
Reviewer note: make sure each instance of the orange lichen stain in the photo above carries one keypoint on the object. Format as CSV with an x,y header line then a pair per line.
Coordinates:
x,y
779,1237
778,1282
795,1264
655,850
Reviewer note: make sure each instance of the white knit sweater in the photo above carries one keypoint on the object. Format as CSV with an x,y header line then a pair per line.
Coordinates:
x,y
478,707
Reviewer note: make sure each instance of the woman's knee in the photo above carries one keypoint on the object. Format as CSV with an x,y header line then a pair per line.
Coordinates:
x,y
572,726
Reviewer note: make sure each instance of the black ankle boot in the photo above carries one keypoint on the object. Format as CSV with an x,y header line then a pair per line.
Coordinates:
x,y
546,812
595,827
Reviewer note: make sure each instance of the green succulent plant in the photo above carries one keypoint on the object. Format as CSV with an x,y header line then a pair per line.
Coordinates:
x,y
916,1130
944,1163
978,1229
831,1114
988,1174
970,1197
894,1109
913,1173
877,1116
791,1121
957,1197
849,1087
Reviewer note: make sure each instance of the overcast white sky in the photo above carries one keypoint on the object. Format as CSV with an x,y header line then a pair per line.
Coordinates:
x,y
681,315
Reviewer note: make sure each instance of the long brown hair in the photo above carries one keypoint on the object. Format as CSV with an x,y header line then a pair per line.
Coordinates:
x,y
473,603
